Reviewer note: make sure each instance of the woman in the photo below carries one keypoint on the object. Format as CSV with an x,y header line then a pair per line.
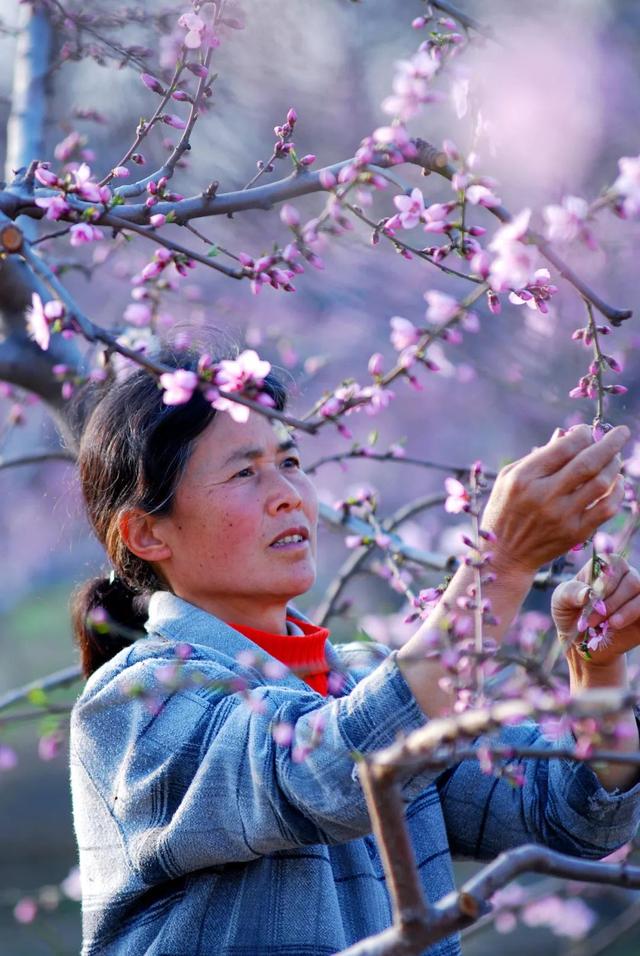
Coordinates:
x,y
216,802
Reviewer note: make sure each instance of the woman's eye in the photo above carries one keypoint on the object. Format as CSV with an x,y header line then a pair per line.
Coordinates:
x,y
292,460
245,473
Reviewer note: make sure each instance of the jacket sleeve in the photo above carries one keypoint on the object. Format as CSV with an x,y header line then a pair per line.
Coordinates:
x,y
561,804
198,780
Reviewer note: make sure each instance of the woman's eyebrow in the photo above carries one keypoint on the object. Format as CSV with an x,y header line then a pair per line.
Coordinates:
x,y
240,454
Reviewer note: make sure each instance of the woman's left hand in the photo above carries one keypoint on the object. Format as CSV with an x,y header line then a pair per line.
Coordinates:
x,y
603,614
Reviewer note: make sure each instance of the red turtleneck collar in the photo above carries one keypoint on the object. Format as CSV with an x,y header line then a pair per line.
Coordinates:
x,y
303,653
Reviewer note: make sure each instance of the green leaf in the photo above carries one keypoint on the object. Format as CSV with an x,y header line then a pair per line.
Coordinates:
x,y
37,697
372,438
212,251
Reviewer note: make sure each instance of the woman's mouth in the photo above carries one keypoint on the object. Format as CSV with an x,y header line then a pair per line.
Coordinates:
x,y
290,542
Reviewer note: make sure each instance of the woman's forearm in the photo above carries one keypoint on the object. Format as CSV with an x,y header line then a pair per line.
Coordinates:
x,y
424,676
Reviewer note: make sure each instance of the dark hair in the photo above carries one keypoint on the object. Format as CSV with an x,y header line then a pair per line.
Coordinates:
x,y
133,452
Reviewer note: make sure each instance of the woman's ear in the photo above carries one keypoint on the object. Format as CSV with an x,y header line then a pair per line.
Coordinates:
x,y
142,535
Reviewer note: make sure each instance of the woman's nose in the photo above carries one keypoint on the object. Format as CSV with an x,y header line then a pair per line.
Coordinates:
x,y
284,496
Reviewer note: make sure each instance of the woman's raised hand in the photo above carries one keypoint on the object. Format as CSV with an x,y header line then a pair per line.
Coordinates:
x,y
554,498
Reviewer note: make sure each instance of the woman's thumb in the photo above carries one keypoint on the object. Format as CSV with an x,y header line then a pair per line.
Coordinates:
x,y
567,600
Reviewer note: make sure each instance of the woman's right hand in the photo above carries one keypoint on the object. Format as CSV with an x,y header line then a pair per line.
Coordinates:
x,y
554,498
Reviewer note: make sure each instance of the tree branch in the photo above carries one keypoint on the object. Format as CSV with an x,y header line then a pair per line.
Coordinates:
x,y
36,457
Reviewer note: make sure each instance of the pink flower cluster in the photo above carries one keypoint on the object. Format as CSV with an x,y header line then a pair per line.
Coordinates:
x,y
515,261
589,385
162,258
536,293
412,211
244,375
267,271
411,86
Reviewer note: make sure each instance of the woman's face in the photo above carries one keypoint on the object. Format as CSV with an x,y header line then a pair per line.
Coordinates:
x,y
242,489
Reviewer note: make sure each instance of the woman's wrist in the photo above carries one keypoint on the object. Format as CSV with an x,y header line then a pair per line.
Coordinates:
x,y
587,674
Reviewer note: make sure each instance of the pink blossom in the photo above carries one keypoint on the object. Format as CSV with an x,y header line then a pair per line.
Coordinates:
x,y
567,221
391,135
25,910
632,464
65,149
627,185
8,757
411,208
45,176
537,292
178,386
56,206
37,324
403,333
71,885
199,27
570,917
482,196
157,220
282,733
87,189
599,636
239,413
515,262
441,307
138,314
120,172
83,232
458,497
411,86
248,369
49,746
379,398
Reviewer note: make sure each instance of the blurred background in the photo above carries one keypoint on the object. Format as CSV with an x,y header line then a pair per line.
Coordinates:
x,y
560,98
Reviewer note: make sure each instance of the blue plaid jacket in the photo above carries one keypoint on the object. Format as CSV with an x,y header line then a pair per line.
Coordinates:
x,y
198,834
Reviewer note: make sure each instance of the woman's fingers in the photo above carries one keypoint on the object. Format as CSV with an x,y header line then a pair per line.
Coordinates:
x,y
559,450
568,600
588,493
621,598
603,510
591,461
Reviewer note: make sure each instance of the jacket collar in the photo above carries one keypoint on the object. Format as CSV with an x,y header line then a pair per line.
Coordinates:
x,y
177,620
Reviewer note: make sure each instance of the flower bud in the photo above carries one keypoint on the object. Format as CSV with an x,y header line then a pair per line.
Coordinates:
x,y
175,121
308,160
292,117
151,82
327,179
376,364
197,69
290,216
